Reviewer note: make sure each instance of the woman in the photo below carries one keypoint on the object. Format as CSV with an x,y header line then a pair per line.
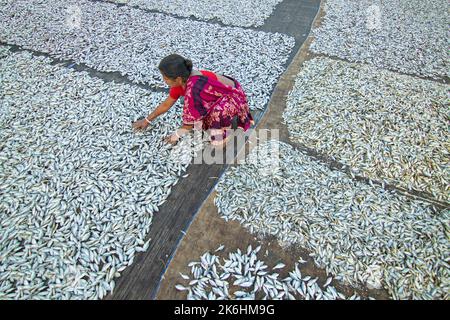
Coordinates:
x,y
211,100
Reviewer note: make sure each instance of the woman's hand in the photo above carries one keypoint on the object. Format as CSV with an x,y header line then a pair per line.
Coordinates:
x,y
172,139
140,124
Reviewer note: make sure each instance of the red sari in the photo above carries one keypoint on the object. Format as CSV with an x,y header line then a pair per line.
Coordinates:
x,y
215,104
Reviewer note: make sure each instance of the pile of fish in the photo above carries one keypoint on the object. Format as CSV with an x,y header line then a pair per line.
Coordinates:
x,y
410,36
358,232
385,126
242,13
131,41
78,188
243,276
4,51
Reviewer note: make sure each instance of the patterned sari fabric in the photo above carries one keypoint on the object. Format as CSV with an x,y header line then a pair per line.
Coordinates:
x,y
215,104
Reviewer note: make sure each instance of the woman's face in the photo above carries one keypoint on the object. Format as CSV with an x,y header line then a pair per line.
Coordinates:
x,y
173,82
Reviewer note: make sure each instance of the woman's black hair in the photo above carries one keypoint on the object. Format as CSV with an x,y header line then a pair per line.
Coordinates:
x,y
174,66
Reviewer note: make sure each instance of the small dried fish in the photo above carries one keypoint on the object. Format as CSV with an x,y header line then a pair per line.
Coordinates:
x,y
279,266
358,232
207,281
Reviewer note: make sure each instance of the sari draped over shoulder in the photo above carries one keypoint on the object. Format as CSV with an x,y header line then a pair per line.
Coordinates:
x,y
215,104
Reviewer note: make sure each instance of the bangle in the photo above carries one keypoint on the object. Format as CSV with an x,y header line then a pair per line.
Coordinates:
x,y
176,133
148,121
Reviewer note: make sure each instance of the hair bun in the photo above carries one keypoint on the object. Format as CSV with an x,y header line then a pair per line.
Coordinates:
x,y
188,64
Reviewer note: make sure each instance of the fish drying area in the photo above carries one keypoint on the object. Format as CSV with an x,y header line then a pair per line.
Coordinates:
x,y
358,207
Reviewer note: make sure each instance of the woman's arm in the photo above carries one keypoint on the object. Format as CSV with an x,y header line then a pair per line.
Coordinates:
x,y
162,108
